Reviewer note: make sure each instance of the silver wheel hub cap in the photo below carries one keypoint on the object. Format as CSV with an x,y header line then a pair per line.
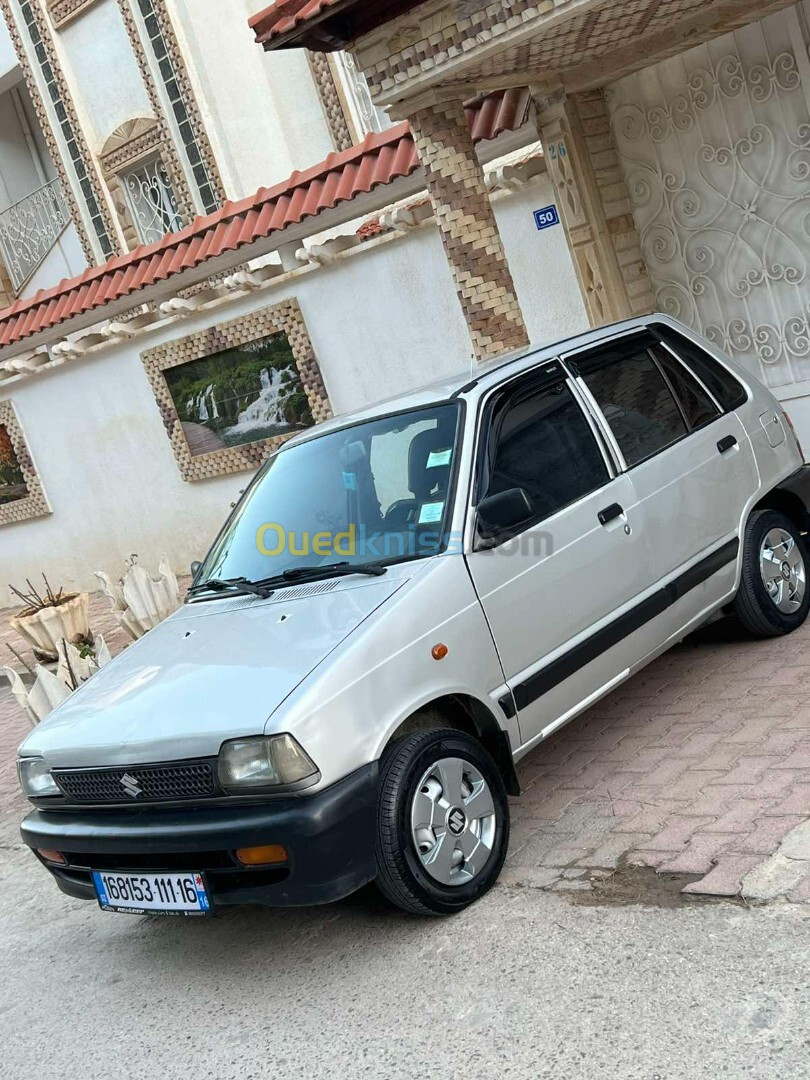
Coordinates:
x,y
783,571
453,821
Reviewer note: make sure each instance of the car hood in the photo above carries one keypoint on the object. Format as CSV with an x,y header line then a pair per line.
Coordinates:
x,y
211,672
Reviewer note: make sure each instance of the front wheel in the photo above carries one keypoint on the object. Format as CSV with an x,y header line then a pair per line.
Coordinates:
x,y
773,597
443,825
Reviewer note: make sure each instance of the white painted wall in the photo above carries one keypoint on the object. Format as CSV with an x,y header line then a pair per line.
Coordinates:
x,y
18,171
102,72
262,113
382,319
64,260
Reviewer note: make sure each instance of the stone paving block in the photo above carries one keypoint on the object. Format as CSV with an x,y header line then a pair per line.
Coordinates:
x,y
767,834
553,805
797,802
749,770
741,815
775,784
676,832
533,851
726,877
797,759
691,784
650,819
699,854
529,877
715,798
647,857
609,852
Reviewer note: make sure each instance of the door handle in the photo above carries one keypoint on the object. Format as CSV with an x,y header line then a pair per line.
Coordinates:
x,y
726,443
609,513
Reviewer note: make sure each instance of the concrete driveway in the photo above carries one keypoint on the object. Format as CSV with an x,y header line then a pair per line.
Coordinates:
x,y
588,960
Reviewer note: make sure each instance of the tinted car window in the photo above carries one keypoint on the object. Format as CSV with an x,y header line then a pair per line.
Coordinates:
x,y
697,406
545,446
635,399
726,389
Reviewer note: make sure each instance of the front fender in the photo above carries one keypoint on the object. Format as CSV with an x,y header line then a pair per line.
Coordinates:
x,y
345,712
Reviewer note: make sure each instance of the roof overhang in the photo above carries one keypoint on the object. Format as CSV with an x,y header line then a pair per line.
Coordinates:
x,y
323,25
362,180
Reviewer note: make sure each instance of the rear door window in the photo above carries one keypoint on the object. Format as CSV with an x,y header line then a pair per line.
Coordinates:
x,y
725,388
635,398
698,408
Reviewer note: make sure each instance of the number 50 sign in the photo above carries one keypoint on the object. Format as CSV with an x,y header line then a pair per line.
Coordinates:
x,y
546,217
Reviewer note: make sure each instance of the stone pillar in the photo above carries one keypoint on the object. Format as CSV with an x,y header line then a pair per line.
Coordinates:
x,y
468,228
594,205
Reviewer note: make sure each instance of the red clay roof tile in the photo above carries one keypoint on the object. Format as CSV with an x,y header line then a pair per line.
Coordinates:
x,y
380,159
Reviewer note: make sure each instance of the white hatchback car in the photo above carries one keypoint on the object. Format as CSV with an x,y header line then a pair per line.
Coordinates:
x,y
403,604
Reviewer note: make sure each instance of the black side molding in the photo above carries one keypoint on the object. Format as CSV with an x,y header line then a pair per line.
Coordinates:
x,y
556,672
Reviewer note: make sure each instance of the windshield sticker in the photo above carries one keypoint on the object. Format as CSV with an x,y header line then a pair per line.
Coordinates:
x,y
431,512
439,457
350,481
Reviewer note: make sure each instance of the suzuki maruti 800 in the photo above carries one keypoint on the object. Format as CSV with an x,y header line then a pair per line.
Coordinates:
x,y
402,605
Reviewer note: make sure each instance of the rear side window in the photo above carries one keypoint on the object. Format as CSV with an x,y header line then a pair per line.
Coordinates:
x,y
635,399
698,407
720,382
545,446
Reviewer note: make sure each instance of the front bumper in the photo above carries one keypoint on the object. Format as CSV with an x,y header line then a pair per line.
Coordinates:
x,y
329,837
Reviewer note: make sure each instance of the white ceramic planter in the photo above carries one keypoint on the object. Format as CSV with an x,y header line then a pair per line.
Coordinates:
x,y
141,600
52,688
44,629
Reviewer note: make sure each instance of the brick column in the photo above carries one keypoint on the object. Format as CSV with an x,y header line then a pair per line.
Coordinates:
x,y
468,228
594,206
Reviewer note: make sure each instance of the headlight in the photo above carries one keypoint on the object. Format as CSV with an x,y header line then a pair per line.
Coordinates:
x,y
35,778
263,761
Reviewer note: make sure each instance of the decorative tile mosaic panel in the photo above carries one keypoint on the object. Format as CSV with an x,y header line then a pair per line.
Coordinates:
x,y
21,494
271,387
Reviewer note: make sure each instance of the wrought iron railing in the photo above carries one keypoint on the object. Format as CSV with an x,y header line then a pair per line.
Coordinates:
x,y
29,229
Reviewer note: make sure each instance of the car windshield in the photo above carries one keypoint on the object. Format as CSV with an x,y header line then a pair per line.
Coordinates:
x,y
371,493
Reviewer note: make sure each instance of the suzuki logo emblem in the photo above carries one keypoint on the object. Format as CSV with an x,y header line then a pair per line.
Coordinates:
x,y
131,786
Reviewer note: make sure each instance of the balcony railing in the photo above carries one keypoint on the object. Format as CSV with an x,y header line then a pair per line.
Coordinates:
x,y
29,229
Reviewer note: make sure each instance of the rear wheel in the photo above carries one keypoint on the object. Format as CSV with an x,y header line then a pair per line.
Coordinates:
x,y
443,826
773,597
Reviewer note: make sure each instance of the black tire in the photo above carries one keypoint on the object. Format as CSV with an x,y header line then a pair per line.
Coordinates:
x,y
753,606
401,876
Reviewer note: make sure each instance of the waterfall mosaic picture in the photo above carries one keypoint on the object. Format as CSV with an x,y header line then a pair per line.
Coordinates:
x,y
12,481
240,395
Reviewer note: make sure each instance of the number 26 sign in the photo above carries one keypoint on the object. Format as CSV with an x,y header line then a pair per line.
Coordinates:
x,y
546,217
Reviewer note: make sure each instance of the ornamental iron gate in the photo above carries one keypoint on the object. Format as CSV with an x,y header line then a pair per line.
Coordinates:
x,y
715,149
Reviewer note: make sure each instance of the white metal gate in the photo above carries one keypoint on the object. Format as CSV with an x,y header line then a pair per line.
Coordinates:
x,y
715,148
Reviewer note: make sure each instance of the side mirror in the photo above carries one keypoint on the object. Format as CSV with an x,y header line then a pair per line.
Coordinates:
x,y
196,567
504,511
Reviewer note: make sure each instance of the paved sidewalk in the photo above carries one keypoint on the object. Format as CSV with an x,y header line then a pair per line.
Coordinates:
x,y
699,765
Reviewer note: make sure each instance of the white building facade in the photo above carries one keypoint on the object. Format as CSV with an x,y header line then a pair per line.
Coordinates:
x,y
225,213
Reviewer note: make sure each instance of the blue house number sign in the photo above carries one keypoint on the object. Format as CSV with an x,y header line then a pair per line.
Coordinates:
x,y
546,217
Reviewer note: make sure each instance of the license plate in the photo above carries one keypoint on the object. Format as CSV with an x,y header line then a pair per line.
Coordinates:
x,y
157,894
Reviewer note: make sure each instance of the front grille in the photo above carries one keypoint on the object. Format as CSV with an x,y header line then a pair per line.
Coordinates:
x,y
139,783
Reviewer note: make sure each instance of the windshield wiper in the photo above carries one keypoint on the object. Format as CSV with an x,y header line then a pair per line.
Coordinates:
x,y
333,570
239,584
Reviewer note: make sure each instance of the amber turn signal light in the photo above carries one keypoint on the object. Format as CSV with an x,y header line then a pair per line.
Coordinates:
x,y
438,652
51,856
268,855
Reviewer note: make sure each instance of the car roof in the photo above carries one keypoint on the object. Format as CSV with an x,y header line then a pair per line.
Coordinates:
x,y
473,382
